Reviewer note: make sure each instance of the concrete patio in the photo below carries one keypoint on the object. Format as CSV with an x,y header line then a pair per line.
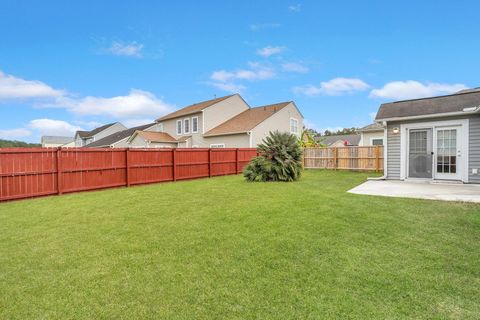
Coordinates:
x,y
420,190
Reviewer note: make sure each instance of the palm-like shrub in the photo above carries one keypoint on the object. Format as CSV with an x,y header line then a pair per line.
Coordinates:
x,y
280,159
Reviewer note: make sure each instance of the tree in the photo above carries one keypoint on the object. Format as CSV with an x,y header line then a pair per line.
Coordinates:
x,y
280,159
17,144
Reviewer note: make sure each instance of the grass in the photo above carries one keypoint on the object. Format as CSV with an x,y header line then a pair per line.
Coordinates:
x,y
222,248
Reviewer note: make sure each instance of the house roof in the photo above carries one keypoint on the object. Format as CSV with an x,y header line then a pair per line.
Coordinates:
x,y
371,127
155,136
430,106
352,139
91,133
56,139
246,120
194,108
118,136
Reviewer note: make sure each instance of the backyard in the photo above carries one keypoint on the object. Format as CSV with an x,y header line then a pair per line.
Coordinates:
x,y
223,248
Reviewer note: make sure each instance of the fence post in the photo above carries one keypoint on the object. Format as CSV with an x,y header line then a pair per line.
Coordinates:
x,y
335,158
377,158
236,161
210,162
59,171
127,167
174,158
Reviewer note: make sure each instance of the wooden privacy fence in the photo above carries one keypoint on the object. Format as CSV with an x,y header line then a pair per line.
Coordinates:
x,y
34,172
346,158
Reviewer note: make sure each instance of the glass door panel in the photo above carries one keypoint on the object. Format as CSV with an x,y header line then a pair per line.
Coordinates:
x,y
420,153
447,151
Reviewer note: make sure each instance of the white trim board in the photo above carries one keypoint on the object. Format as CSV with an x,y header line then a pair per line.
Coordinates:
x,y
464,123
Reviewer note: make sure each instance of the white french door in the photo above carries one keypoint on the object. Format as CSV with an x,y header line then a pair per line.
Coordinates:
x,y
448,149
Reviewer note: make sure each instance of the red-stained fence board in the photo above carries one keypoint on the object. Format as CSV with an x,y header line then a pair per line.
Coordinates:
x,y
34,172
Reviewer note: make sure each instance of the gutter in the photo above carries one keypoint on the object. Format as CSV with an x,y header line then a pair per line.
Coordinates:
x,y
465,111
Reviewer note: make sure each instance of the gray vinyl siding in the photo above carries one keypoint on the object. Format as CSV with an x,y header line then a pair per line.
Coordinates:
x,y
393,148
393,152
474,149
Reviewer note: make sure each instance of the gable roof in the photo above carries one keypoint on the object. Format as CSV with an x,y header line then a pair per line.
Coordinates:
x,y
91,133
454,103
247,120
352,139
194,108
56,139
371,127
154,136
118,136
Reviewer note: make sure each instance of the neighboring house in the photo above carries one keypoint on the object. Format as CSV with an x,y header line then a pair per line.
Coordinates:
x,y
57,141
82,138
120,139
340,140
433,138
226,122
371,135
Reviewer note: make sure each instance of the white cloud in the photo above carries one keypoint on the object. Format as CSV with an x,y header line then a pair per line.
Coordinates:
x,y
53,127
137,103
132,49
16,88
333,87
262,26
294,67
270,51
295,7
227,80
401,90
14,133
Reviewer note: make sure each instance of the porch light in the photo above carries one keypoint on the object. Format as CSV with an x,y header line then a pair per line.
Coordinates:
x,y
396,130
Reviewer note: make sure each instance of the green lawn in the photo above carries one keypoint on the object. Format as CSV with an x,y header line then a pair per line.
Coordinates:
x,y
222,248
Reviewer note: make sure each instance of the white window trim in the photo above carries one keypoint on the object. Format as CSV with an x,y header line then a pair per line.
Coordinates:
x,y
464,123
181,127
217,145
290,124
196,131
185,127
377,138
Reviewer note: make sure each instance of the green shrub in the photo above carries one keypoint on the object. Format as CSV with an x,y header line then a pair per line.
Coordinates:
x,y
280,159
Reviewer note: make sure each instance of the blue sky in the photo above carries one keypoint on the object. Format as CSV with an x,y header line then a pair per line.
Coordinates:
x,y
66,65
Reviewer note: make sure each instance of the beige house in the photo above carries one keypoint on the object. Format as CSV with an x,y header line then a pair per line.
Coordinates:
x,y
371,135
226,122
57,141
83,138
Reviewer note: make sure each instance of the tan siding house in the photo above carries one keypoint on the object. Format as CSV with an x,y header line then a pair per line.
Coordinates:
x,y
226,122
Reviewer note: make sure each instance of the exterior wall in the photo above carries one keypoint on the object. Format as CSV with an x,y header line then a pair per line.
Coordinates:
x,y
122,143
337,144
170,127
279,121
222,111
366,137
231,141
51,145
139,142
393,152
393,146
474,149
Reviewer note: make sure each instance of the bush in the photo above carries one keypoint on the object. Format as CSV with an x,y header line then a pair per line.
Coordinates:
x,y
280,159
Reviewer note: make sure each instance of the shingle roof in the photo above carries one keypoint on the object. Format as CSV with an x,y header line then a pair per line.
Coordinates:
x,y
353,139
194,108
429,106
56,139
156,136
91,133
247,120
117,136
371,127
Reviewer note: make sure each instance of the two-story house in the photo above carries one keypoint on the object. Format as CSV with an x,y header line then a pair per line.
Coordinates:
x,y
226,122
83,138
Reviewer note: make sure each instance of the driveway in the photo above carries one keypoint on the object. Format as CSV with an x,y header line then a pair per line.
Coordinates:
x,y
420,190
